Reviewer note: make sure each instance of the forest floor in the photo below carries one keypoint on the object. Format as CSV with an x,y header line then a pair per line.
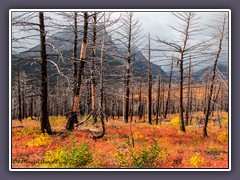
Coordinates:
x,y
131,145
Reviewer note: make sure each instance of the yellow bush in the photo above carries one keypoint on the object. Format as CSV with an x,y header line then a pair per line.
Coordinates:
x,y
41,140
137,135
224,121
196,160
64,157
175,121
223,137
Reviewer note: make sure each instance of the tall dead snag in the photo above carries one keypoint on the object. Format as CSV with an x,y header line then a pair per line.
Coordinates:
x,y
188,93
215,100
149,102
182,49
75,43
77,97
206,90
93,81
221,35
45,124
128,37
158,99
101,83
132,92
140,109
127,75
190,107
169,92
19,98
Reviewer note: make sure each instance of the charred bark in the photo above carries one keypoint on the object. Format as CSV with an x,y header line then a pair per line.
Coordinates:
x,y
149,103
45,124
77,97
213,78
169,92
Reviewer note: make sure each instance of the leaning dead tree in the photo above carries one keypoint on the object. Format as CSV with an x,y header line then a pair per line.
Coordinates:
x,y
77,97
220,43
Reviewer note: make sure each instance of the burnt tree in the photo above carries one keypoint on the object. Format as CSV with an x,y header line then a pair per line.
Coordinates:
x,y
77,97
45,123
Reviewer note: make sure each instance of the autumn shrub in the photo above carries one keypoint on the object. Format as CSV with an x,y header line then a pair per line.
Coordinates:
x,y
223,137
29,131
123,159
213,149
79,156
137,135
224,121
145,158
175,121
196,160
42,140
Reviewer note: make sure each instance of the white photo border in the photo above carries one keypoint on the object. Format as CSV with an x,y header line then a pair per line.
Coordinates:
x,y
119,169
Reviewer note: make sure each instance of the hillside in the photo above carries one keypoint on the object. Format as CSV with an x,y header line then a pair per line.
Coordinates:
x,y
62,43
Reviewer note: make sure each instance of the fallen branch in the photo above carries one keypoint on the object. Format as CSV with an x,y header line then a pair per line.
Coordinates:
x,y
80,123
103,129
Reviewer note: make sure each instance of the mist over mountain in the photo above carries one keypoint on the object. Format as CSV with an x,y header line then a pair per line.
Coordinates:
x,y
221,68
60,49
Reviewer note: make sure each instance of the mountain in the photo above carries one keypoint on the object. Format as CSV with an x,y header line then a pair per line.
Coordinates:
x,y
222,68
60,49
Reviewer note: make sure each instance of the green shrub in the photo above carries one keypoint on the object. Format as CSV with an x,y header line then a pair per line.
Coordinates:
x,y
145,158
79,156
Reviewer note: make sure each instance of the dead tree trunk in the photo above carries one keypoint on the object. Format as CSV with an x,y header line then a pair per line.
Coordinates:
x,y
113,109
19,97
213,78
31,105
24,114
216,99
140,110
77,97
45,124
131,112
75,43
206,90
93,81
149,103
101,85
182,126
190,108
158,99
126,85
169,92
188,93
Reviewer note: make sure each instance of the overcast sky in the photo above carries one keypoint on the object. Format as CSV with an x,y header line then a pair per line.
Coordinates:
x,y
155,23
